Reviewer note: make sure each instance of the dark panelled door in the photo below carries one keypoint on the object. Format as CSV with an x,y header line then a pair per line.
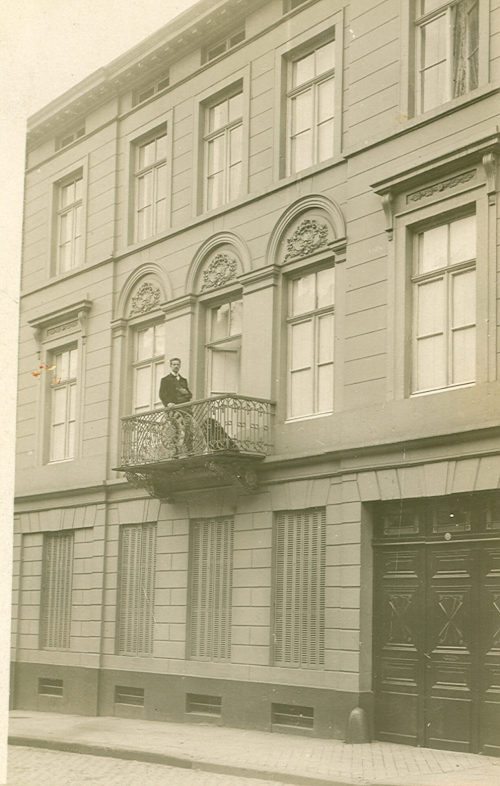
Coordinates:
x,y
437,645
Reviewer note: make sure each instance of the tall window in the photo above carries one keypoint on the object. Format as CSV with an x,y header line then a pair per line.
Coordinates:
x,y
223,45
151,187
299,587
148,365
136,589
444,305
63,405
69,224
310,343
447,49
223,150
311,98
211,551
57,576
224,323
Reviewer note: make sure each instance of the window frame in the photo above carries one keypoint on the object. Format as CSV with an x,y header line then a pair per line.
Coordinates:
x,y
224,42
60,211
211,344
295,48
156,86
135,328
293,273
410,64
148,544
139,173
71,382
447,274
209,138
239,80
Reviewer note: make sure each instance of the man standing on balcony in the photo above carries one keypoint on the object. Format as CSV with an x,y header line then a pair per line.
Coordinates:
x,y
174,389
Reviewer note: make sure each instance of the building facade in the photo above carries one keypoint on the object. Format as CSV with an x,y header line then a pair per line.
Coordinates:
x,y
299,200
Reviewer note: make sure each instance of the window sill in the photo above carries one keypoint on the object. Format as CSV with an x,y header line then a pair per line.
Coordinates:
x,y
420,393
313,416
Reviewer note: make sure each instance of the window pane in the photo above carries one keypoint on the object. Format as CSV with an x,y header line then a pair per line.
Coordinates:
x,y
72,402
158,374
325,141
235,146
78,220
216,155
66,227
301,393
67,194
434,86
161,182
57,446
434,41
325,388
145,223
303,70
236,317
463,239
431,363
325,57
325,339
142,388
302,354
325,100
303,293
161,216
431,308
145,190
62,365
59,405
73,360
235,179
302,151
235,107
217,116
147,154
159,340
302,112
144,344
70,450
433,249
325,283
220,321
78,189
464,299
215,191
225,371
464,355
161,147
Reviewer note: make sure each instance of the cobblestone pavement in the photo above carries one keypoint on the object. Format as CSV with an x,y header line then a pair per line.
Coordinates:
x,y
37,767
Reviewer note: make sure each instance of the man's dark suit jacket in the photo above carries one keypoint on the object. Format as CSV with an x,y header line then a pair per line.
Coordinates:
x,y
170,390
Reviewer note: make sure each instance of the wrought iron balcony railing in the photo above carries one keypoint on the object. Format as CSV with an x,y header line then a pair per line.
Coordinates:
x,y
225,424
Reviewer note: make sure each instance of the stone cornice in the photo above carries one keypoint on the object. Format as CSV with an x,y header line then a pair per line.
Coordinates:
x,y
73,312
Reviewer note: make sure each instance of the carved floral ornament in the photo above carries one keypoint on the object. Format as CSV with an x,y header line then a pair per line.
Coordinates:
x,y
309,236
145,299
220,270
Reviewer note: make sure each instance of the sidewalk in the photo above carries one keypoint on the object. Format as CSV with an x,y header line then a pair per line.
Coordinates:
x,y
280,757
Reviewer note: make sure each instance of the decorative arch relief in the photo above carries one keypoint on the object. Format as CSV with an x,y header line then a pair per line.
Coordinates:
x,y
145,298
307,235
219,270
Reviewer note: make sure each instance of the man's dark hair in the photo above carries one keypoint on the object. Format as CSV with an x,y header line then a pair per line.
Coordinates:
x,y
172,360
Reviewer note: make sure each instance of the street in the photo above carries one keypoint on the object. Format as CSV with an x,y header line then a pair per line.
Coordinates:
x,y
37,767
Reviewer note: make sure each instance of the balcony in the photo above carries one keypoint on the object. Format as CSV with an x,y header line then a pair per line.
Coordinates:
x,y
210,442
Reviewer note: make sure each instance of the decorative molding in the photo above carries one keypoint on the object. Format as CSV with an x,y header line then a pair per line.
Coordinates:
x,y
489,162
220,271
451,182
388,207
146,299
59,321
65,327
309,236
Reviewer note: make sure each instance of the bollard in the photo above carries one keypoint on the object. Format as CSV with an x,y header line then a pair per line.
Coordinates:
x,y
357,727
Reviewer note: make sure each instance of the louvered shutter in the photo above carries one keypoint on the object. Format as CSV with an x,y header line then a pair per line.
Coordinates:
x,y
299,587
211,549
136,589
57,578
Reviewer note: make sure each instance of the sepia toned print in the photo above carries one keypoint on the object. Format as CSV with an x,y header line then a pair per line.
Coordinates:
x,y
257,455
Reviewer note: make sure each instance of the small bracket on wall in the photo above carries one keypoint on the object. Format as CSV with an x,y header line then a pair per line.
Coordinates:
x,y
388,206
489,161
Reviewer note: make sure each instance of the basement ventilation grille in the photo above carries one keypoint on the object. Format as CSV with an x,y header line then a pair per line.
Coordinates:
x,y
204,705
50,687
127,695
292,716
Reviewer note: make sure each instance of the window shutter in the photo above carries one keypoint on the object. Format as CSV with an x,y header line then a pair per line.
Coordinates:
x,y
136,589
299,594
210,588
57,575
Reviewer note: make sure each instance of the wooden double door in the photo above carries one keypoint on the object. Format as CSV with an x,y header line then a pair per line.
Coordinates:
x,y
437,644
